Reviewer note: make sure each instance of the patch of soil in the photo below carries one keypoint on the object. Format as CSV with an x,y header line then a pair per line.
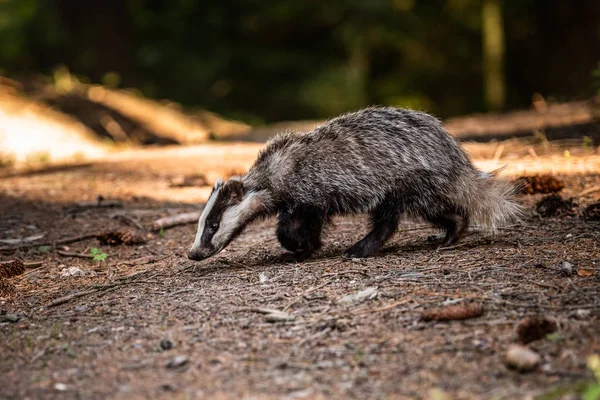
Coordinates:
x,y
244,324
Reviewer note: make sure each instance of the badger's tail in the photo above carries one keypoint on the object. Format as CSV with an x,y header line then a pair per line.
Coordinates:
x,y
491,204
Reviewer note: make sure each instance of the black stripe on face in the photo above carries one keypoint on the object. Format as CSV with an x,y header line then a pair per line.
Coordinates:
x,y
213,219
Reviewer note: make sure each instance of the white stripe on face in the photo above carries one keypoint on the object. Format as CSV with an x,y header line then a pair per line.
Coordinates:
x,y
234,217
207,209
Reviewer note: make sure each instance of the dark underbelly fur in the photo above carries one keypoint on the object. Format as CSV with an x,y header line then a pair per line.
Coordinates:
x,y
299,228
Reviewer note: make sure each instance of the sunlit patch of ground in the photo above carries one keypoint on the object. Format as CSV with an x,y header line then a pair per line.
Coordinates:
x,y
150,172
105,341
31,134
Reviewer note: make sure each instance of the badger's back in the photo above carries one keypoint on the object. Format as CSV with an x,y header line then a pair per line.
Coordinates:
x,y
350,163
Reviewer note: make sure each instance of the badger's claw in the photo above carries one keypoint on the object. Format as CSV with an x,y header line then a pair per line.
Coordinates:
x,y
356,251
293,257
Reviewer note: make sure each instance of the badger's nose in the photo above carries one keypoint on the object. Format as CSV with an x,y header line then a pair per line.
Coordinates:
x,y
193,255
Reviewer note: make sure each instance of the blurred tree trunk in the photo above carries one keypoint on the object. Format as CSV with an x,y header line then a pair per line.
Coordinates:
x,y
359,73
493,54
99,38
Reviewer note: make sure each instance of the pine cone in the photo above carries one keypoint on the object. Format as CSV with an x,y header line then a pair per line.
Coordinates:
x,y
122,236
592,212
456,312
6,288
554,205
534,328
11,268
540,184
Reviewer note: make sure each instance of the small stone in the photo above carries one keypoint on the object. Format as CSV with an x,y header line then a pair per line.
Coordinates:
x,y
262,277
177,362
521,358
566,268
61,387
166,344
582,314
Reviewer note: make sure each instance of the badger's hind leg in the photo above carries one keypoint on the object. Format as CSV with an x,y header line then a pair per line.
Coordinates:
x,y
384,222
299,231
454,223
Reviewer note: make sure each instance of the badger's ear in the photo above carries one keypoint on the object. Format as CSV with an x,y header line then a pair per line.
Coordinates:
x,y
218,184
234,190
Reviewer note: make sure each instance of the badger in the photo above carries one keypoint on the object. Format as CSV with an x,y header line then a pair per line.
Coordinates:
x,y
387,162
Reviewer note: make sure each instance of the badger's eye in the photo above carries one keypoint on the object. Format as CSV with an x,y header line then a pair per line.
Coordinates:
x,y
213,226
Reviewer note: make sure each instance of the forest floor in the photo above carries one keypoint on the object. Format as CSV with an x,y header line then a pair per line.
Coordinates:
x,y
146,322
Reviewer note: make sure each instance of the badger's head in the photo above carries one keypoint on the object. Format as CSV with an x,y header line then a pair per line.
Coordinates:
x,y
229,209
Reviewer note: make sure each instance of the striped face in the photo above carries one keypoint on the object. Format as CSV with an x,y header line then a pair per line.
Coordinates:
x,y
223,218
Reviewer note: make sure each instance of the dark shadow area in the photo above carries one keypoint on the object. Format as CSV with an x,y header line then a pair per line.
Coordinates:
x,y
106,122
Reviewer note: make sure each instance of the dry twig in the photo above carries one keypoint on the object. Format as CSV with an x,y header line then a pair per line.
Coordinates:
x,y
305,293
175,220
54,243
78,255
125,280
588,191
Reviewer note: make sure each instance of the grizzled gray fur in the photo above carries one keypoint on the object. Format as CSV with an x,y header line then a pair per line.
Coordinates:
x,y
383,161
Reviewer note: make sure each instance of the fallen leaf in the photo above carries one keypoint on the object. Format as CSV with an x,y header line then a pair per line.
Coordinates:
x,y
585,272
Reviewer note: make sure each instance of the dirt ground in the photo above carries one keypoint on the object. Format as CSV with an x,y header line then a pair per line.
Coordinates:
x,y
148,323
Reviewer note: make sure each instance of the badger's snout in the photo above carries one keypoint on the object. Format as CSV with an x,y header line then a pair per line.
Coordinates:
x,y
195,255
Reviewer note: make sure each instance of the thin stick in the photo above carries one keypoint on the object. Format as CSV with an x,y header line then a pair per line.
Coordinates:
x,y
78,255
66,299
498,154
33,264
175,220
74,255
55,243
119,282
305,293
588,191
129,220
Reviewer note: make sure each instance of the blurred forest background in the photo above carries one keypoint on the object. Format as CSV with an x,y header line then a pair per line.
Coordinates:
x,y
271,60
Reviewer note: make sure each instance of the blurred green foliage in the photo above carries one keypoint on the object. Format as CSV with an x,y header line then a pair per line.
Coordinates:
x,y
271,59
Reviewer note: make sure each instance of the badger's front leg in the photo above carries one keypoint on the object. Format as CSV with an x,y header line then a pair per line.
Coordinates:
x,y
299,231
384,222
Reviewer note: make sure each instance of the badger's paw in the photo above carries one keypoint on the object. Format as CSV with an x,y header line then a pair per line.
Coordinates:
x,y
289,257
356,251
